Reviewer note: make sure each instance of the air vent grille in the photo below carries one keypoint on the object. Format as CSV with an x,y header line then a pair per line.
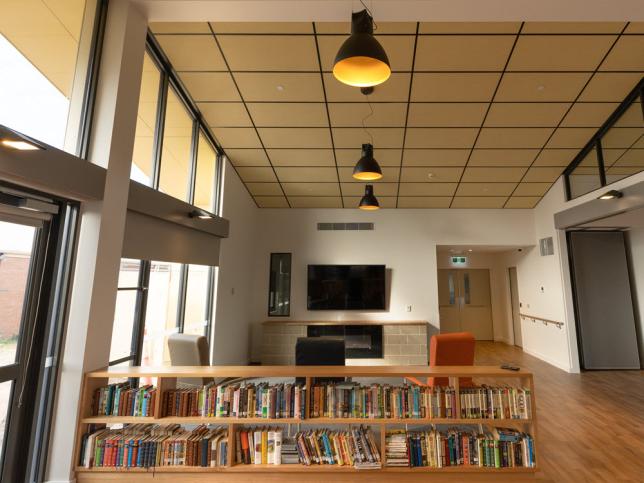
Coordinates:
x,y
351,226
546,246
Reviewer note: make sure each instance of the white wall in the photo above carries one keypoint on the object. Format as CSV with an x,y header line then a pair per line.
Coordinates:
x,y
544,289
635,243
234,286
404,240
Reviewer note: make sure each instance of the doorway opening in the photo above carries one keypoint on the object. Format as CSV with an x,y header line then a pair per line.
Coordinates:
x,y
478,292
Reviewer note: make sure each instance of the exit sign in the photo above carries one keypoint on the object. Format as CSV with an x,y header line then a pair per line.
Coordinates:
x,y
459,260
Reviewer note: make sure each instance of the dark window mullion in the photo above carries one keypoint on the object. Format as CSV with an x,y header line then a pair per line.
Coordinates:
x,y
139,313
194,153
157,148
121,360
600,162
219,172
210,304
181,303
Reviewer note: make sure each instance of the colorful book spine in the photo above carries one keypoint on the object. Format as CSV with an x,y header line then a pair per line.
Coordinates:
x,y
495,448
149,445
123,400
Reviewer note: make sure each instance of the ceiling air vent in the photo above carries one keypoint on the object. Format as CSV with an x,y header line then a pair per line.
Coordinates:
x,y
546,246
345,226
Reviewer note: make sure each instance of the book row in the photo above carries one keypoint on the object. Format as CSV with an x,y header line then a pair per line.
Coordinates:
x,y
356,447
350,400
488,402
494,448
258,446
123,400
341,400
150,445
241,401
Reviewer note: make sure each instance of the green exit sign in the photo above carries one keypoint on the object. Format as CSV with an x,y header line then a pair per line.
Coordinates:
x,y
459,260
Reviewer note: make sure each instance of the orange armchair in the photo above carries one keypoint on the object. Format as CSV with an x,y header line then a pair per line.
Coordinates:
x,y
455,349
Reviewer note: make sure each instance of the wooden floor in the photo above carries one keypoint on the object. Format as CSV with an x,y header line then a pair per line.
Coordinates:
x,y
590,425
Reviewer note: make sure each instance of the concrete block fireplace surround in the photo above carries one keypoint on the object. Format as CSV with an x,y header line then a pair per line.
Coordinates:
x,y
403,342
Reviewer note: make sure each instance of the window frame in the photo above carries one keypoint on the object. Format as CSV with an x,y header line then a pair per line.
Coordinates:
x,y
595,142
169,80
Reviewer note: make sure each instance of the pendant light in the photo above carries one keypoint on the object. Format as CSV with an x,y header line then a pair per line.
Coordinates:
x,y
367,168
369,201
361,60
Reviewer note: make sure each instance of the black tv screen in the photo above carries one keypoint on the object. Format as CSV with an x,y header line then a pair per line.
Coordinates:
x,y
346,287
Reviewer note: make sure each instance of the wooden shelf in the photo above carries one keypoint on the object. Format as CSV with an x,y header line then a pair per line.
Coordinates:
x,y
118,419
255,372
366,421
234,473
298,468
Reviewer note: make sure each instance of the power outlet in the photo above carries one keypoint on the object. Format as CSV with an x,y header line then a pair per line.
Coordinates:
x,y
408,308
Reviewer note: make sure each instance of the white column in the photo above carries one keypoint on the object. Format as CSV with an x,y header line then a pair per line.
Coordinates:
x,y
91,313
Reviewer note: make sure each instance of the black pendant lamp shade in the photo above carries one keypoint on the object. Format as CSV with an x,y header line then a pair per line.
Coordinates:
x,y
361,60
367,169
369,201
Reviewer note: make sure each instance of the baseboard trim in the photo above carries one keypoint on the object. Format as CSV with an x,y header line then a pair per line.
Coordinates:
x,y
504,340
550,361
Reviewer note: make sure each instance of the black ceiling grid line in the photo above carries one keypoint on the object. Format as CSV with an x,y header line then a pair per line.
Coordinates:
x,y
232,76
394,34
404,139
328,115
417,102
594,72
487,111
233,126
491,71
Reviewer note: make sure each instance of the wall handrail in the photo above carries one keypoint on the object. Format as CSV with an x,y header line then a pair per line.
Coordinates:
x,y
545,321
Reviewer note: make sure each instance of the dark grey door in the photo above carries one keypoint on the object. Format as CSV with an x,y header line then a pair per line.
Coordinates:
x,y
604,309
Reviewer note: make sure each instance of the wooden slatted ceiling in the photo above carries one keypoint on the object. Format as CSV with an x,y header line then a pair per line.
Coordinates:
x,y
475,115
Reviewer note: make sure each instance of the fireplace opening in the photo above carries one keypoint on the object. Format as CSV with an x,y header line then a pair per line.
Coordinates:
x,y
360,341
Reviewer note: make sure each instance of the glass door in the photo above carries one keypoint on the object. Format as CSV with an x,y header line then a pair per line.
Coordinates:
x,y
36,249
18,237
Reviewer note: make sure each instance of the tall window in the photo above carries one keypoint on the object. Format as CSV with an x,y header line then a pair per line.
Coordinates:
x,y
156,299
128,299
143,155
176,156
197,304
206,177
173,151
39,42
161,312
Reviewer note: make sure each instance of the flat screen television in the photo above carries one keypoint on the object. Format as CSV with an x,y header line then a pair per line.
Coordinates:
x,y
346,287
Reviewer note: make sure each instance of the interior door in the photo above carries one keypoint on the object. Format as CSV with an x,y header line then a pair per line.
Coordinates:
x,y
464,302
476,305
603,303
449,301
514,300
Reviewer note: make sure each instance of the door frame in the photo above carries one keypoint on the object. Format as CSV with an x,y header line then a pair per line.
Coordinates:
x,y
516,287
41,329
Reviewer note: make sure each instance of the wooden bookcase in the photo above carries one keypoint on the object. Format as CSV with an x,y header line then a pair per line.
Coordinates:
x,y
166,379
